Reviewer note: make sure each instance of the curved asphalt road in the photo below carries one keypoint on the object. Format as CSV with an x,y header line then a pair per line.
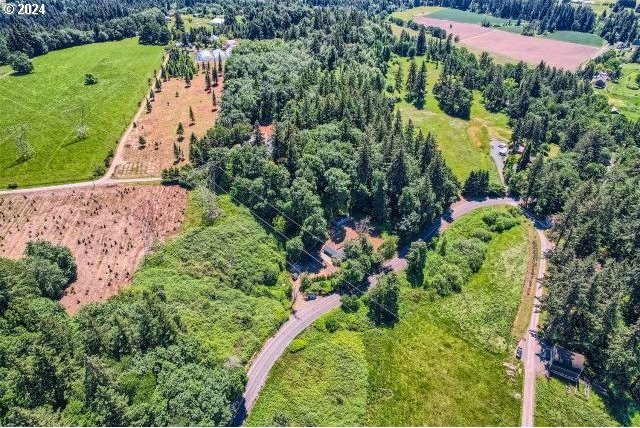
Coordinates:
x,y
275,346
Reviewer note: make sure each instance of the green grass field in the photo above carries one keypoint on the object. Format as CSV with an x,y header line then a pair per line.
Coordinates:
x,y
576,37
468,17
464,143
407,14
217,279
441,364
52,101
625,93
559,404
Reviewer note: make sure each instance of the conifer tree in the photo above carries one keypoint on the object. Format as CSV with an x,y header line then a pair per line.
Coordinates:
x,y
149,108
192,117
411,78
180,131
399,79
421,43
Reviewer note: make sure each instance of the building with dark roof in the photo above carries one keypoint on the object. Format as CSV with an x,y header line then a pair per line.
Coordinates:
x,y
566,364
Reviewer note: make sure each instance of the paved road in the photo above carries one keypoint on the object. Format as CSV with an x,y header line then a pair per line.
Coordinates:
x,y
275,347
532,348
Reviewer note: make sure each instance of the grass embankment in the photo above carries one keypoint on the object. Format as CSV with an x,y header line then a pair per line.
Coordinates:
x,y
226,281
54,100
464,143
625,93
558,404
441,364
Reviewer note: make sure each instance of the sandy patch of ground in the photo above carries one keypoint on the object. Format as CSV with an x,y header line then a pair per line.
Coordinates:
x,y
108,230
159,127
564,55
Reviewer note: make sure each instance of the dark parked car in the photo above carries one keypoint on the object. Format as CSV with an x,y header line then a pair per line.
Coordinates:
x,y
312,297
519,352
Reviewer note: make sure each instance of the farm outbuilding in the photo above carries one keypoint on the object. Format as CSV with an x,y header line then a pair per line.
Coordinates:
x,y
217,21
566,364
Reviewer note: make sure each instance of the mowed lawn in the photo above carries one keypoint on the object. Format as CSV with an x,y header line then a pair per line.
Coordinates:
x,y
440,365
464,143
52,101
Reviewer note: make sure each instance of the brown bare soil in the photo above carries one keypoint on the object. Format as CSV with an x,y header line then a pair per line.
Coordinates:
x,y
108,230
159,127
568,56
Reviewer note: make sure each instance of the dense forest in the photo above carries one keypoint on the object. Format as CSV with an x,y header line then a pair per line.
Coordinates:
x,y
125,362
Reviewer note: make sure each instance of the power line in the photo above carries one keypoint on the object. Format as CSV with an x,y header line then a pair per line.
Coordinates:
x,y
353,287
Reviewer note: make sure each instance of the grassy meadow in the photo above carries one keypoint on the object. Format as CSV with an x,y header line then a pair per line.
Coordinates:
x,y
226,280
464,143
441,364
559,404
52,101
576,37
407,14
625,93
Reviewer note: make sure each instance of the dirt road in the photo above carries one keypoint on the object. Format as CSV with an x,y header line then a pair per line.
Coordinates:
x,y
532,348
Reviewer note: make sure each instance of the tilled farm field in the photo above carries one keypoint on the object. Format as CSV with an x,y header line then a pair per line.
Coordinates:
x,y
108,230
532,50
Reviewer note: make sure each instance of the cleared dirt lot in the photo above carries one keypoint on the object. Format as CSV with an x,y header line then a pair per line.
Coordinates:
x,y
529,49
108,230
159,127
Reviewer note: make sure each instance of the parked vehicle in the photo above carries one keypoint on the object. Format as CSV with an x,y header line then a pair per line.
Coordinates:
x,y
312,297
519,352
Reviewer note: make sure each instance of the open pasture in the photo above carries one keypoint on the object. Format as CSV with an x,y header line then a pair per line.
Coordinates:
x,y
108,230
529,49
158,128
49,105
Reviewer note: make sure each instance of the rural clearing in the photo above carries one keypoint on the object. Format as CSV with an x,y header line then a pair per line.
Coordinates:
x,y
158,127
108,230
532,50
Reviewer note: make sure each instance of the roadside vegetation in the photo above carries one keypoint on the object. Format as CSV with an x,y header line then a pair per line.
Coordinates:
x,y
559,404
56,129
442,346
